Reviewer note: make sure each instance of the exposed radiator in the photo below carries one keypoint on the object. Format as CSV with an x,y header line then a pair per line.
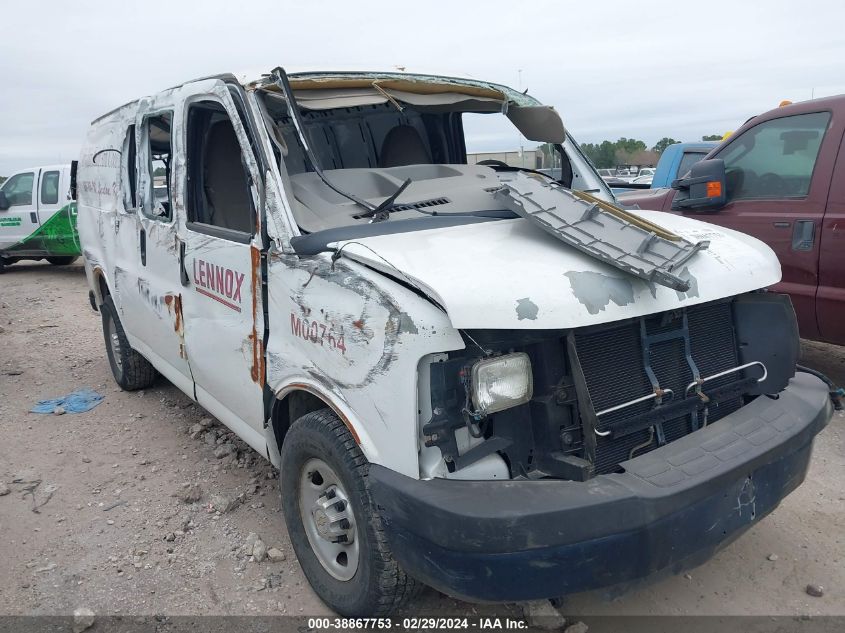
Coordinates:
x,y
613,365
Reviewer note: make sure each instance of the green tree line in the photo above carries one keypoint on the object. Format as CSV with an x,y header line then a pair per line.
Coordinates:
x,y
632,151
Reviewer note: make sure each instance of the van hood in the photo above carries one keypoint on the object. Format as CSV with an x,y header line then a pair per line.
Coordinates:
x,y
509,274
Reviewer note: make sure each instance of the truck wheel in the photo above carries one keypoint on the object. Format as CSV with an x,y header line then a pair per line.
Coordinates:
x,y
62,261
130,370
334,526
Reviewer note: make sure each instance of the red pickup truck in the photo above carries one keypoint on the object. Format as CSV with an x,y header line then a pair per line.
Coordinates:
x,y
780,178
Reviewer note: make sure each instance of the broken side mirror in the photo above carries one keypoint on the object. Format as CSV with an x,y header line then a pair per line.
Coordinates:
x,y
4,202
703,188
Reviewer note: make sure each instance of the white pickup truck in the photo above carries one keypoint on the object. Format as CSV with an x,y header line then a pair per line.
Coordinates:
x,y
38,216
470,376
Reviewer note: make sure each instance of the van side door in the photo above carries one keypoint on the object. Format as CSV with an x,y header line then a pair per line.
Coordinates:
x,y
778,177
57,214
221,255
830,299
20,219
148,280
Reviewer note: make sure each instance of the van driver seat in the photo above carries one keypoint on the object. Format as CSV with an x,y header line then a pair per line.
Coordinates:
x,y
403,145
226,184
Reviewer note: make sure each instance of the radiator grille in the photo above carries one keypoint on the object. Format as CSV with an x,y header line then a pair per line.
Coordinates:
x,y
612,360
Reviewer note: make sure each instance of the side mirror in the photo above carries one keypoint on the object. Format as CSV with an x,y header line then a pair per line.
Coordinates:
x,y
703,188
4,202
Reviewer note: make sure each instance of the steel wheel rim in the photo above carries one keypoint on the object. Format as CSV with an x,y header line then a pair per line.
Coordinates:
x,y
114,342
328,519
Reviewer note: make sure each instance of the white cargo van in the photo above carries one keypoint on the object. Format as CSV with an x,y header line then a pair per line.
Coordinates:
x,y
38,216
470,376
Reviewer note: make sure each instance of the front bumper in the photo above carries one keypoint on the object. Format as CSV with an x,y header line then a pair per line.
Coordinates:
x,y
671,509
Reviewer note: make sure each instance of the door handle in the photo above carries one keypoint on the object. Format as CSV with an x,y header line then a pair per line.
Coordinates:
x,y
183,272
803,235
142,242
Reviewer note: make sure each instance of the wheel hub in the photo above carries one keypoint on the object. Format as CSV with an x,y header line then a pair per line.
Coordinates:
x,y
331,516
115,345
328,519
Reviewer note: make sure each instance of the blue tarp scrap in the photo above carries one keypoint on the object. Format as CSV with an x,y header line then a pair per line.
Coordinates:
x,y
78,401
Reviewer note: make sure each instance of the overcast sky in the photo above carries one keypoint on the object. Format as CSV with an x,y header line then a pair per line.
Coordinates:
x,y
638,68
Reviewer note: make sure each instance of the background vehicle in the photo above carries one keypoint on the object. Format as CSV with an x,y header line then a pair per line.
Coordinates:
x,y
785,184
38,216
677,159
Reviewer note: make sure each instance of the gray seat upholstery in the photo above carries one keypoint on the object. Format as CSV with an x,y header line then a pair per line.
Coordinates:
x,y
226,184
403,145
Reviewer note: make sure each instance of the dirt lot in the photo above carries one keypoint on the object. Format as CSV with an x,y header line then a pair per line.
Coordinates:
x,y
94,518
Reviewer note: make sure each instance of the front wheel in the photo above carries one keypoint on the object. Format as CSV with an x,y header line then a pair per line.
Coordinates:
x,y
130,370
334,526
63,260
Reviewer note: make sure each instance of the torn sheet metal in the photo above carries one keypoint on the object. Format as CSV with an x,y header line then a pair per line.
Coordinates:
x,y
611,235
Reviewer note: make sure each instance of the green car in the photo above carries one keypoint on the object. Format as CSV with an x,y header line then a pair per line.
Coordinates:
x,y
38,216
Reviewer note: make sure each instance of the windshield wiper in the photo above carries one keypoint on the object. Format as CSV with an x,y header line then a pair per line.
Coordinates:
x,y
382,211
377,212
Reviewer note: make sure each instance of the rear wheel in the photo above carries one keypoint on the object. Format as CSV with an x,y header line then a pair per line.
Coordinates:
x,y
130,370
62,261
334,526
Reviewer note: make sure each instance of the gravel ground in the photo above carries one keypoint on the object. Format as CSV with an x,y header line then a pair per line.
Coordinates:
x,y
100,514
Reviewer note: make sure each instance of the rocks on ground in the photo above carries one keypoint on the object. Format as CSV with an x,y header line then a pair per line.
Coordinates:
x,y
83,619
541,614
249,544
258,551
225,503
189,493
274,554
225,450
817,591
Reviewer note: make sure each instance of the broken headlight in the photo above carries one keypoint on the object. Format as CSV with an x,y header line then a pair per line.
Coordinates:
x,y
501,383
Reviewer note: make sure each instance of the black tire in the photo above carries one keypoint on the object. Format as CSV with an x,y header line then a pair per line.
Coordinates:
x,y
63,260
379,586
130,370
3,265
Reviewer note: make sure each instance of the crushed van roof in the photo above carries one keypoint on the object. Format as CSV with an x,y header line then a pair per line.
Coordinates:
x,y
407,82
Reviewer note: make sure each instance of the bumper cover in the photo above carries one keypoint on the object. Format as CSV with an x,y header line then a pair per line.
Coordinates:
x,y
671,509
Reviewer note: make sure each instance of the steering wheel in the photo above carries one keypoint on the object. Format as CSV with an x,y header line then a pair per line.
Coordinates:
x,y
770,183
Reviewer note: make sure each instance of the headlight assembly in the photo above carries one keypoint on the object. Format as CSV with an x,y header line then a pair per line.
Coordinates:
x,y
501,383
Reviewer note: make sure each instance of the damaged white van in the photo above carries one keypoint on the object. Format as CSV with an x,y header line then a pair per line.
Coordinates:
x,y
470,376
